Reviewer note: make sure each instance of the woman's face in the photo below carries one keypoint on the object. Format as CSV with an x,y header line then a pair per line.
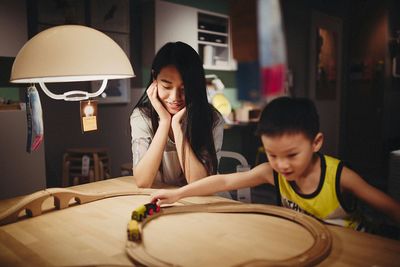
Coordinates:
x,y
170,89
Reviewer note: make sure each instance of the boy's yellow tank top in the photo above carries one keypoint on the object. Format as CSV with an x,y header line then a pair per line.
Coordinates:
x,y
326,203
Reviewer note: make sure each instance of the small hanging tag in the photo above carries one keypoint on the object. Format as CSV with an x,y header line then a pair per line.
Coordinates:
x,y
89,115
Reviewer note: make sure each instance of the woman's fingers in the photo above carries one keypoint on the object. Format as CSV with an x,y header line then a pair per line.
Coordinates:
x,y
177,119
180,114
152,93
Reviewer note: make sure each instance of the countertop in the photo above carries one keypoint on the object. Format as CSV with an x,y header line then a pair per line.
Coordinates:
x,y
94,233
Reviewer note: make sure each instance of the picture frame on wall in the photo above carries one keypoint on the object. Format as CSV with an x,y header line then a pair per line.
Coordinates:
x,y
325,75
54,12
118,90
110,15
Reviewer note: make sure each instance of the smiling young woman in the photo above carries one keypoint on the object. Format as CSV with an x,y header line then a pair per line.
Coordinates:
x,y
170,89
176,133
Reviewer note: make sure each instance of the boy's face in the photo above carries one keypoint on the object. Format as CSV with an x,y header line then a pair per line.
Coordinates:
x,y
291,154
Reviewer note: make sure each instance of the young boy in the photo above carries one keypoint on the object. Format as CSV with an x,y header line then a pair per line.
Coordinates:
x,y
306,180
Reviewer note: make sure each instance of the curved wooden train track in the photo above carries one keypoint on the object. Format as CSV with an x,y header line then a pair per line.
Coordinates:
x,y
312,256
32,203
319,250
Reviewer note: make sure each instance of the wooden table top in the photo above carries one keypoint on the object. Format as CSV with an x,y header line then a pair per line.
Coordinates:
x,y
94,234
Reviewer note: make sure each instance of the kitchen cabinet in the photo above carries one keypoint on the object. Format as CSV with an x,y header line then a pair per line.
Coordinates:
x,y
207,32
213,40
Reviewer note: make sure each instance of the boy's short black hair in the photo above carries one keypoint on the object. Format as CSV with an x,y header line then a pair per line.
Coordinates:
x,y
289,115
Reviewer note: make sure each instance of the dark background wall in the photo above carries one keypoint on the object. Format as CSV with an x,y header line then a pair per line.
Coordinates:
x,y
369,126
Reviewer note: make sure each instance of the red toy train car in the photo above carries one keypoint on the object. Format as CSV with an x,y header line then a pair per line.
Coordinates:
x,y
143,211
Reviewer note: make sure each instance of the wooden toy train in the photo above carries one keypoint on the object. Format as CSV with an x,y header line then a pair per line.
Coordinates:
x,y
138,215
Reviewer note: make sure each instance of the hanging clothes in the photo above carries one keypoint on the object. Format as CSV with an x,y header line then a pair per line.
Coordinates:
x,y
34,119
272,48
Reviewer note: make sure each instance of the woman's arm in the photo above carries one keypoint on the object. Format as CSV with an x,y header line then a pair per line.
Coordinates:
x,y
194,169
146,169
352,182
218,135
216,183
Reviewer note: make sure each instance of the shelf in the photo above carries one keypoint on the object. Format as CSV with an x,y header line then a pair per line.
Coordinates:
x,y
207,32
215,67
213,32
213,41
213,44
210,22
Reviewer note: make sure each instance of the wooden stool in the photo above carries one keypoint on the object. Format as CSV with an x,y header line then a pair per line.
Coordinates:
x,y
98,167
126,169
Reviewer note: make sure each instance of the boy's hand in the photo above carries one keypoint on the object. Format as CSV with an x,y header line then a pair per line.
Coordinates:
x,y
152,93
165,196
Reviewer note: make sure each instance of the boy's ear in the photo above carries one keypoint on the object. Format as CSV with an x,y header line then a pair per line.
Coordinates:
x,y
318,141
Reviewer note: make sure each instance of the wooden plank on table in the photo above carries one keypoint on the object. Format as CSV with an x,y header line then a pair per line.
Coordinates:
x,y
90,234
352,248
15,253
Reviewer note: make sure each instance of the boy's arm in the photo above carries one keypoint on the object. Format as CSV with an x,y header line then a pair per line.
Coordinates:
x,y
351,181
217,183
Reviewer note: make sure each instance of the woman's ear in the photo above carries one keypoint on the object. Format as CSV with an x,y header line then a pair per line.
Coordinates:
x,y
317,142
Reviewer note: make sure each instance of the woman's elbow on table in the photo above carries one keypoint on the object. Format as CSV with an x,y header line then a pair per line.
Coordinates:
x,y
142,182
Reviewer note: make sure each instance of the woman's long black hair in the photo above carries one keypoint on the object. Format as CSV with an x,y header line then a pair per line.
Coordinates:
x,y
200,115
